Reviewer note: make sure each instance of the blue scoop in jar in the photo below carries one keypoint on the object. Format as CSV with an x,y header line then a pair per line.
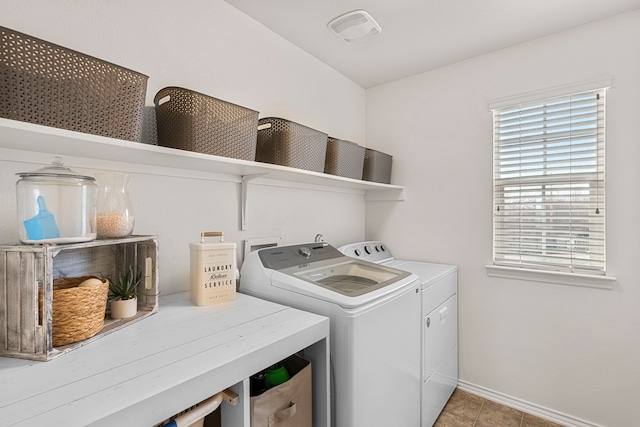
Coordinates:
x,y
43,225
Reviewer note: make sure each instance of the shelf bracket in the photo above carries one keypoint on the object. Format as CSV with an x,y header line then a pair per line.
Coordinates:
x,y
246,179
386,195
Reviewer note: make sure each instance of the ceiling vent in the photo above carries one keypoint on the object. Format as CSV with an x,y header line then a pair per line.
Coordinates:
x,y
355,26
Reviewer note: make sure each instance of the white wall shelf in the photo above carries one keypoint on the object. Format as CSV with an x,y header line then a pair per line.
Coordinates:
x,y
29,137
23,136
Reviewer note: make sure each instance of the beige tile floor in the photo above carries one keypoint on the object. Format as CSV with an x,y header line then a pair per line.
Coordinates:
x,y
468,410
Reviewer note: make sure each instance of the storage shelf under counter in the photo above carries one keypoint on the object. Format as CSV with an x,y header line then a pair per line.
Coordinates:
x,y
155,368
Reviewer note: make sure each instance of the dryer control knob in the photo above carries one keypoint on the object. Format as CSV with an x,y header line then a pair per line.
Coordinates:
x,y
305,252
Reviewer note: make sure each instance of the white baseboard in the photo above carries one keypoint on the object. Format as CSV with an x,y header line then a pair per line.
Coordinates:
x,y
524,406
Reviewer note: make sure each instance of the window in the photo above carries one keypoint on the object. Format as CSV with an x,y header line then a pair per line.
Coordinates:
x,y
548,184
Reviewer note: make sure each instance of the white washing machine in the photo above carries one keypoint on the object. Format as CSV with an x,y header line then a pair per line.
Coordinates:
x,y
375,326
439,284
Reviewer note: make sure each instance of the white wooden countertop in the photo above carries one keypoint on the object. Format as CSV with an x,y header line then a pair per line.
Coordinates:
x,y
156,367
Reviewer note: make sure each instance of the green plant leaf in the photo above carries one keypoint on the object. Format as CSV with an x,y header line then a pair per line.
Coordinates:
x,y
126,286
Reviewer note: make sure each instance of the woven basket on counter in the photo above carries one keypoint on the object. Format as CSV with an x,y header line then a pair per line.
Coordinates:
x,y
78,312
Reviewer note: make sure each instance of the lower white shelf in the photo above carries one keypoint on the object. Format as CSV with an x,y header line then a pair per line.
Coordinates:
x,y
155,368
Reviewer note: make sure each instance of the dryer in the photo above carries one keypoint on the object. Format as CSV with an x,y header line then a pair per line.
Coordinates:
x,y
375,315
439,307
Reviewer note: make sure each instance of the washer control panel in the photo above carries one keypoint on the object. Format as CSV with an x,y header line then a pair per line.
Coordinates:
x,y
281,257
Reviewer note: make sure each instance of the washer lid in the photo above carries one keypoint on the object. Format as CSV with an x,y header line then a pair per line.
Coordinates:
x,y
325,266
348,294
349,277
320,271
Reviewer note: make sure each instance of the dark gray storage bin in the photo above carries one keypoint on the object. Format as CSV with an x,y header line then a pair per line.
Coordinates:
x,y
192,121
344,158
286,143
377,166
50,85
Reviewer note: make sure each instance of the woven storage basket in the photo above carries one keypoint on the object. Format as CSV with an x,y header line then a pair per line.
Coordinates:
x,y
344,158
287,143
193,121
377,166
50,85
78,312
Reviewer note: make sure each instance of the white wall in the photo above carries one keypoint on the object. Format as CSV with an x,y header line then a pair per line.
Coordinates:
x,y
569,349
208,46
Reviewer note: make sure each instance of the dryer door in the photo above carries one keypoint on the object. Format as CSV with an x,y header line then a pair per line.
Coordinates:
x,y
440,330
440,359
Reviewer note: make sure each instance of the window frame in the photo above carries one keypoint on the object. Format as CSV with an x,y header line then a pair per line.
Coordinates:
x,y
599,279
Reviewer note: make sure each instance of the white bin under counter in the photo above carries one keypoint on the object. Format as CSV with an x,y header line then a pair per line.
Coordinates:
x,y
155,368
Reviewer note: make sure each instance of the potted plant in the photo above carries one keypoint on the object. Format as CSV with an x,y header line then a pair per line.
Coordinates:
x,y
123,294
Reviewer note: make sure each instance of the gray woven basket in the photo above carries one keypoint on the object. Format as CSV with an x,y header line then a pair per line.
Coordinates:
x,y
377,166
50,85
344,158
193,121
286,143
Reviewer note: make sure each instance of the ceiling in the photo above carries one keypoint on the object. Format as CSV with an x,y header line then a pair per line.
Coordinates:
x,y
420,35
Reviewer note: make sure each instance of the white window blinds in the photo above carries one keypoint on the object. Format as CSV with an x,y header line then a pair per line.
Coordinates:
x,y
549,184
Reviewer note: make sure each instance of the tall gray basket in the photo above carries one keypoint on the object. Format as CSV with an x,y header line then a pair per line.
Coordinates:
x,y
47,84
286,143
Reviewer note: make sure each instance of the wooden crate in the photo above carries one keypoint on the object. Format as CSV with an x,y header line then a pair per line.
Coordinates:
x,y
24,331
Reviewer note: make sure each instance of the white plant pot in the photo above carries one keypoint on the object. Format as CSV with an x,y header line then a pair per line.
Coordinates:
x,y
121,309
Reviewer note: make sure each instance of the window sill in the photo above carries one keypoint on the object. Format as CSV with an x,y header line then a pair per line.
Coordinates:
x,y
573,279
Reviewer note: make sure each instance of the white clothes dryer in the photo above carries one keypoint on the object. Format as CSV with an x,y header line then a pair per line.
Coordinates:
x,y
375,326
439,354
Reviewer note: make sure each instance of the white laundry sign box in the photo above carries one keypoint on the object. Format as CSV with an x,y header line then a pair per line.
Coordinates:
x,y
213,270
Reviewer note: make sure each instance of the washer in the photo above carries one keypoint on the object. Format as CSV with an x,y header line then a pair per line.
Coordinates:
x,y
375,326
439,285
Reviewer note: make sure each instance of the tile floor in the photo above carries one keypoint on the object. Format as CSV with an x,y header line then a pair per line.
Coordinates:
x,y
468,410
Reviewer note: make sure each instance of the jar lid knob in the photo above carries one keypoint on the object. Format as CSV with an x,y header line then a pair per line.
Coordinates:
x,y
57,162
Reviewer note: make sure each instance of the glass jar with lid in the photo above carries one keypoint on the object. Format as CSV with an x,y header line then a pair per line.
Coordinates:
x,y
56,205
